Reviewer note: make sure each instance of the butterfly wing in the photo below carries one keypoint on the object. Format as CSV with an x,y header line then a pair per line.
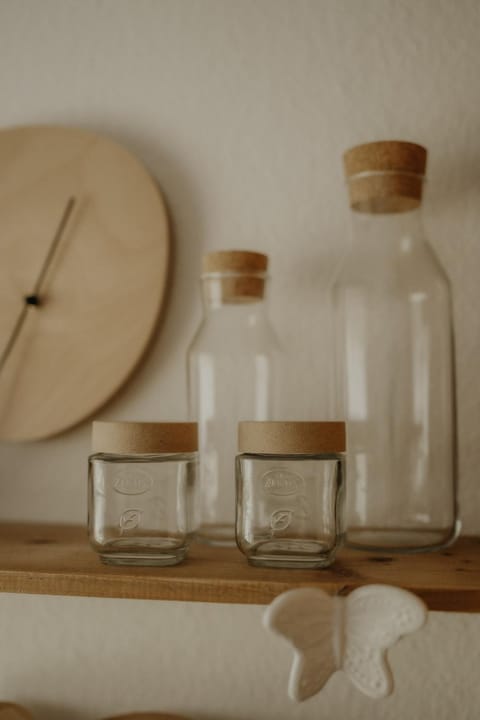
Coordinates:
x,y
305,618
376,617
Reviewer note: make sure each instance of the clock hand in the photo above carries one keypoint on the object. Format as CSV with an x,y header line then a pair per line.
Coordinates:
x,y
11,340
34,299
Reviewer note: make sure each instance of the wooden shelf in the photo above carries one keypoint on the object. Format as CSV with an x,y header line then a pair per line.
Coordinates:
x,y
57,560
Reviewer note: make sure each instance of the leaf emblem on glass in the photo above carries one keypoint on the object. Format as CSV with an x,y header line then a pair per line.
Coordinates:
x,y
280,520
130,519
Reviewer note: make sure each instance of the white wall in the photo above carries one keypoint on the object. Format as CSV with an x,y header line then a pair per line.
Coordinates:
x,y
242,109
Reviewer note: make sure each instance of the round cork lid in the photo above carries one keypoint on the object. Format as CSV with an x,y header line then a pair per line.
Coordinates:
x,y
137,438
235,276
291,438
385,176
235,261
385,155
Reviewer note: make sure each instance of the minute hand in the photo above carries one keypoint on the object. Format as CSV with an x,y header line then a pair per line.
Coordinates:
x,y
34,298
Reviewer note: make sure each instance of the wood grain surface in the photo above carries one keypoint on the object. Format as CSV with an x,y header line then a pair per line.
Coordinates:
x,y
10,711
146,716
57,560
105,286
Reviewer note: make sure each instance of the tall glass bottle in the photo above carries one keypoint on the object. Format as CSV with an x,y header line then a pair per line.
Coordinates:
x,y
230,377
395,360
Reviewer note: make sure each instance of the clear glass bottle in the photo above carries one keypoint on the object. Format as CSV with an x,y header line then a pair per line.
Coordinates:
x,y
395,360
290,478
231,366
142,480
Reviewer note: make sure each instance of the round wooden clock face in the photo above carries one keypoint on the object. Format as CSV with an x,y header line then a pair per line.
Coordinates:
x,y
83,269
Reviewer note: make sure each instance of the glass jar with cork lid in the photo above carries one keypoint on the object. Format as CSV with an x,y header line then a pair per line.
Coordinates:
x,y
290,481
232,363
395,360
142,479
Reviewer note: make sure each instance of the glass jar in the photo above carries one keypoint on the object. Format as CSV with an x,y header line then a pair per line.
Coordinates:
x,y
290,479
231,368
141,484
395,361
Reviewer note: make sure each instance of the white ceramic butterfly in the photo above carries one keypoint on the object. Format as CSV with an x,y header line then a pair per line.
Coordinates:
x,y
349,633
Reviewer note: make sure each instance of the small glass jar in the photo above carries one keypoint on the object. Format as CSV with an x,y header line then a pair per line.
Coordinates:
x,y
142,479
290,479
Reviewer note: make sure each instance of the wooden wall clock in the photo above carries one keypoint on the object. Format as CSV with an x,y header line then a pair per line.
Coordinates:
x,y
83,268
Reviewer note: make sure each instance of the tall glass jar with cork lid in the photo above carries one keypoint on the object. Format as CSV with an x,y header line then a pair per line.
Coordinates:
x,y
231,367
395,361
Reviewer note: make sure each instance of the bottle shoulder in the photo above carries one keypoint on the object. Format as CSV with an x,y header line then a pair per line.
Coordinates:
x,y
225,338
413,266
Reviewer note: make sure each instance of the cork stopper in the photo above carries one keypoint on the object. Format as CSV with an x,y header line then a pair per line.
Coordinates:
x,y
241,275
143,438
235,261
291,438
385,177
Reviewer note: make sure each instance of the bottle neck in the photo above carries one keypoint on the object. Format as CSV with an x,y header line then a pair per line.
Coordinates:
x,y
396,230
242,294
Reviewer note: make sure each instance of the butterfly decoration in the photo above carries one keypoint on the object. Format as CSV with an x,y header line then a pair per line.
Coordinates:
x,y
350,633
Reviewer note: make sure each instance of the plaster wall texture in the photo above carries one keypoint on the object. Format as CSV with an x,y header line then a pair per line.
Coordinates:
x,y
242,109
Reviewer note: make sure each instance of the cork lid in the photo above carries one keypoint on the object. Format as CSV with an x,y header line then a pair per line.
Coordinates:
x,y
385,177
242,275
292,438
143,438
235,261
